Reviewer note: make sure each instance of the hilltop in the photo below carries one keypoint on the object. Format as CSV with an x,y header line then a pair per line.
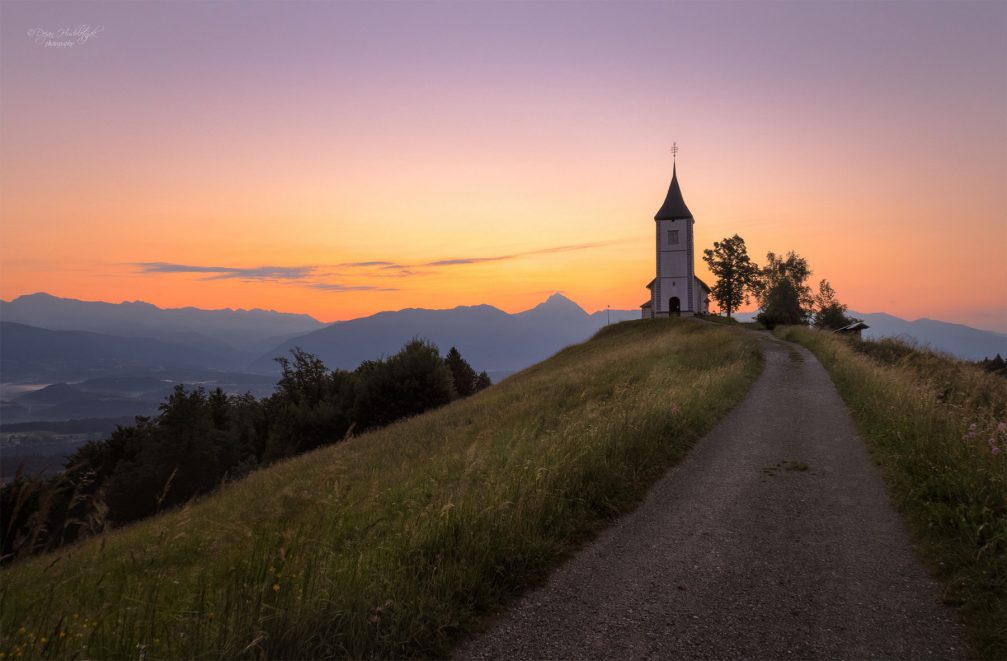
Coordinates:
x,y
397,541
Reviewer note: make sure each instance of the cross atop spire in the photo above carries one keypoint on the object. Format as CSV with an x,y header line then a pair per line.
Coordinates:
x,y
674,151
674,206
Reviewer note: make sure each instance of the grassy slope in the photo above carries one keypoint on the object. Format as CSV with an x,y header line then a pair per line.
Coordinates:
x,y
931,423
398,541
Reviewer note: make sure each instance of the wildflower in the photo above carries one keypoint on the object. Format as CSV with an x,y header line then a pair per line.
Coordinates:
x,y
62,634
995,450
972,427
1001,426
276,587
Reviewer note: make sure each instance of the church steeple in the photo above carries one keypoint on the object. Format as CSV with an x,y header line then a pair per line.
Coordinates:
x,y
674,205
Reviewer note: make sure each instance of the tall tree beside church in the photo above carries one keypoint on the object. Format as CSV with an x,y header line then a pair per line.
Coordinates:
x,y
734,270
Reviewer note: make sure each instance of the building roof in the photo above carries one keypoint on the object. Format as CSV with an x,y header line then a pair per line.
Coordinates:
x,y
674,206
855,327
648,304
705,286
650,285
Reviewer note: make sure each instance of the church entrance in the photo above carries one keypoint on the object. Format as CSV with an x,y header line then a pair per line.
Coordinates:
x,y
674,306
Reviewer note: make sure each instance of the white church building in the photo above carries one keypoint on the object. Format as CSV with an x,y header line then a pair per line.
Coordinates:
x,y
675,291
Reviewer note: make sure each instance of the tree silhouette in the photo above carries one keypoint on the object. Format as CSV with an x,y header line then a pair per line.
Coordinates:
x,y
829,312
483,381
734,270
462,374
782,306
782,290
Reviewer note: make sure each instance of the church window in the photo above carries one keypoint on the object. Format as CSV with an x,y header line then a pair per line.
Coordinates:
x,y
673,237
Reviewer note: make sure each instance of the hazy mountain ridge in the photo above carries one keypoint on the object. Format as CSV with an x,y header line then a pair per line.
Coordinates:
x,y
239,329
30,352
959,340
489,338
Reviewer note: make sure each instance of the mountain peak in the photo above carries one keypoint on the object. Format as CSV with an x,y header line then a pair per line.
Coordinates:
x,y
555,304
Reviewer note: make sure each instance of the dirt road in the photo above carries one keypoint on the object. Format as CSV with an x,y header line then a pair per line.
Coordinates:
x,y
774,539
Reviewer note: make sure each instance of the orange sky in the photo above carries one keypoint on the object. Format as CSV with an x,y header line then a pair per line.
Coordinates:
x,y
184,147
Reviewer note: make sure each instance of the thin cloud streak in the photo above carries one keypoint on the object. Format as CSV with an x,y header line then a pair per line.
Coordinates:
x,y
458,261
335,287
227,272
288,275
308,275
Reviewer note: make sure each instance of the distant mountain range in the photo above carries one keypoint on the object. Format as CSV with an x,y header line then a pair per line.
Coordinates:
x,y
956,339
251,331
489,338
110,360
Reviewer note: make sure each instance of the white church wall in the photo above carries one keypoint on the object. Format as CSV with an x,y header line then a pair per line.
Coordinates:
x,y
674,263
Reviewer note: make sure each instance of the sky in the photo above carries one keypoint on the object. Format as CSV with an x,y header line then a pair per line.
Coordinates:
x,y
340,159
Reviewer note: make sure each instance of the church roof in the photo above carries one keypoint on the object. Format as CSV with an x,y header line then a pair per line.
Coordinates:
x,y
702,284
674,206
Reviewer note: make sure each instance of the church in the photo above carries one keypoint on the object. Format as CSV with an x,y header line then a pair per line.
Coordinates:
x,y
675,291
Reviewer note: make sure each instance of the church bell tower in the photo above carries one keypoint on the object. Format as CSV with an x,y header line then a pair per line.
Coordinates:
x,y
674,290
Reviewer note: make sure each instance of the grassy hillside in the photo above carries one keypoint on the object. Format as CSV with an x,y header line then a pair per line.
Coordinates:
x,y
395,542
938,429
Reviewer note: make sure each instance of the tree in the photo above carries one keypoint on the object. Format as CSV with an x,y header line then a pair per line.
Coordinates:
x,y
483,381
782,290
462,374
782,306
829,313
412,381
734,270
794,268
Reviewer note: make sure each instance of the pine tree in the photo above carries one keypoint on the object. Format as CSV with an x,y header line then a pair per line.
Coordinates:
x,y
462,374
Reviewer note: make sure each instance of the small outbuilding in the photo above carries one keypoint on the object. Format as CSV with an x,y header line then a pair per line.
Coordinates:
x,y
853,329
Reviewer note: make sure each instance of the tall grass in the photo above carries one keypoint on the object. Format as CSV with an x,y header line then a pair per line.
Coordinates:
x,y
938,429
396,542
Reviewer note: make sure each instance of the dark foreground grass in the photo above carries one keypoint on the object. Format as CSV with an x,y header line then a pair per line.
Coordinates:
x,y
394,543
938,429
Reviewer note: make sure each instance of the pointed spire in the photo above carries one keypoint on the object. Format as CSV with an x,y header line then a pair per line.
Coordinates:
x,y
674,205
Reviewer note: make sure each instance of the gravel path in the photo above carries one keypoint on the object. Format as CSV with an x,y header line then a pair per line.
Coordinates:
x,y
773,539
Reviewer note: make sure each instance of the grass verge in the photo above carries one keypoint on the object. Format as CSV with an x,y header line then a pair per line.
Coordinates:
x,y
394,543
938,429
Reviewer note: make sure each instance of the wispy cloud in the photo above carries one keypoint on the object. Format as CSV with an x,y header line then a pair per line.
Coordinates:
x,y
226,272
382,264
335,287
301,276
458,261
317,276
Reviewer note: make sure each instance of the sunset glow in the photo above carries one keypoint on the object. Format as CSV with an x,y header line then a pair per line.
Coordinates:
x,y
342,159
